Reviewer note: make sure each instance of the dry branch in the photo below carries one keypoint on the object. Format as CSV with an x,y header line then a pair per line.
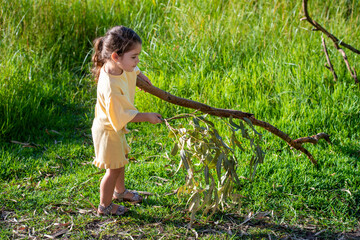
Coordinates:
x,y
189,103
352,71
313,139
297,144
318,27
329,66
337,42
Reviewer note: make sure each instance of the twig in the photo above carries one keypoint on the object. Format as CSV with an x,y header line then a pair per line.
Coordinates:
x,y
329,66
337,42
318,233
352,73
55,235
95,209
179,116
320,28
142,84
313,139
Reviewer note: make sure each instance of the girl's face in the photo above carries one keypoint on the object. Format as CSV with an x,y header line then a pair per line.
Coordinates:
x,y
129,60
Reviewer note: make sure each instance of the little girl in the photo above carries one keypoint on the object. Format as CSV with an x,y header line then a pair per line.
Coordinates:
x,y
115,58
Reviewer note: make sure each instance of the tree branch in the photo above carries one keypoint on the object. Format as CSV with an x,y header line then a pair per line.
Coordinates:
x,y
297,144
189,103
329,66
336,41
313,139
352,73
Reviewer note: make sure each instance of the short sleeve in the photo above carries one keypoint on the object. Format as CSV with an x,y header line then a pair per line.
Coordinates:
x,y
120,110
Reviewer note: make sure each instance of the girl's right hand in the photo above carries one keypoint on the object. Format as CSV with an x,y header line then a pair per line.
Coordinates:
x,y
154,118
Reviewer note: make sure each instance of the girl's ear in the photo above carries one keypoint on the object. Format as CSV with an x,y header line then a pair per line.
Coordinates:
x,y
115,57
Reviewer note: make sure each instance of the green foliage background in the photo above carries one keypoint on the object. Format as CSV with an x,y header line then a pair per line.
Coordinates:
x,y
253,56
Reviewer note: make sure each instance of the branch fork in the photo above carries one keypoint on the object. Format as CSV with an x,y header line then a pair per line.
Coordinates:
x,y
337,44
297,143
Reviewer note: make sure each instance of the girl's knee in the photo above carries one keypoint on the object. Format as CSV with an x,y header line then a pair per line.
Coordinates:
x,y
114,172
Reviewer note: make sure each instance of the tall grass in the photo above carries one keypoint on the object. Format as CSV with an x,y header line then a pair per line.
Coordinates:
x,y
254,56
251,46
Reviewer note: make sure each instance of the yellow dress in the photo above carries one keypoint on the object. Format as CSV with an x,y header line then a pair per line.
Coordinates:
x,y
114,109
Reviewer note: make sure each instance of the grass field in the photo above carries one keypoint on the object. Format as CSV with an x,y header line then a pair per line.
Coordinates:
x,y
255,56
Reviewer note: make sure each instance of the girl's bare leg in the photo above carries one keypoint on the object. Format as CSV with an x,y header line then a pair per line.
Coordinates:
x,y
120,181
120,184
107,186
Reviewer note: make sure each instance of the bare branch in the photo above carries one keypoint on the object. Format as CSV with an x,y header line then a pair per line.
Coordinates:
x,y
352,73
336,41
313,139
284,136
142,84
189,103
330,66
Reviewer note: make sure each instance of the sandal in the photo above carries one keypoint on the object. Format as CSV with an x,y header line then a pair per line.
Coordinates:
x,y
106,211
136,198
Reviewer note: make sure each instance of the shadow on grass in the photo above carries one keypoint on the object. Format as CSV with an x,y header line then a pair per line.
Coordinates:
x,y
37,141
154,220
352,151
226,226
175,225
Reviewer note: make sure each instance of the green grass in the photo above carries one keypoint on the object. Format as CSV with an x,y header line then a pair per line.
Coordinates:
x,y
253,56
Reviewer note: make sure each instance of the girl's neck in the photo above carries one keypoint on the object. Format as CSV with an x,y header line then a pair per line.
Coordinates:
x,y
111,68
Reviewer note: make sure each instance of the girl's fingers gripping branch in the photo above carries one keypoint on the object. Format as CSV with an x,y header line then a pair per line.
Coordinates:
x,y
155,118
160,118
